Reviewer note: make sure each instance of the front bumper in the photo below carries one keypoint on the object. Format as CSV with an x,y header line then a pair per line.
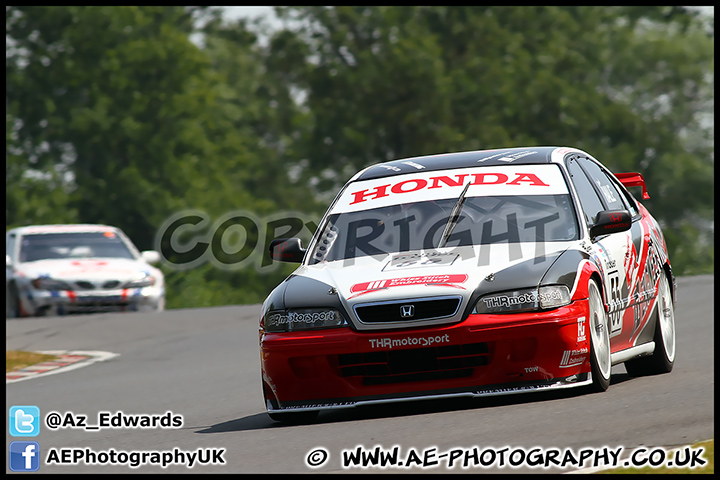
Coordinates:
x,y
116,300
483,355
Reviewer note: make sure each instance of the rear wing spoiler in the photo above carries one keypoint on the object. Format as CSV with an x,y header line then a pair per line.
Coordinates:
x,y
633,179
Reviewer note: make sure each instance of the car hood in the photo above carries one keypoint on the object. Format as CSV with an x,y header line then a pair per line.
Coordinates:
x,y
466,272
87,269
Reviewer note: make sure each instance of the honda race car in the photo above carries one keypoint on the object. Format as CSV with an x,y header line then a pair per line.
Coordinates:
x,y
63,269
469,274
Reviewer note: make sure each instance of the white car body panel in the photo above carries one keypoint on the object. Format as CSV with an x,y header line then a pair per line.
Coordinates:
x,y
95,283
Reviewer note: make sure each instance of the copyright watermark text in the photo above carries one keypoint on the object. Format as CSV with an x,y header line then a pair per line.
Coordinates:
x,y
508,457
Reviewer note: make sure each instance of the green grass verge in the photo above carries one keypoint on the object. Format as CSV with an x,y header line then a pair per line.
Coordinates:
x,y
17,359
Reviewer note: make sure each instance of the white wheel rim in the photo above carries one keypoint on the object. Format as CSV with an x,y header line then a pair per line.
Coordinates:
x,y
599,333
666,317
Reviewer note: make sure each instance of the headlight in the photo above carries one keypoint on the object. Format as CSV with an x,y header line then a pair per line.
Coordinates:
x,y
146,281
524,300
46,283
303,319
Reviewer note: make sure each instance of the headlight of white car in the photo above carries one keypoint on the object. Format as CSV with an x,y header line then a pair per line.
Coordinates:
x,y
303,319
146,281
47,283
524,300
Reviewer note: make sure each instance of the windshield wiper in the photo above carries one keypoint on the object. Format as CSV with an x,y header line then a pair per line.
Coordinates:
x,y
454,216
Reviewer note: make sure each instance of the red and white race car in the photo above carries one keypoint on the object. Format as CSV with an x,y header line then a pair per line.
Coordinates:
x,y
469,274
61,269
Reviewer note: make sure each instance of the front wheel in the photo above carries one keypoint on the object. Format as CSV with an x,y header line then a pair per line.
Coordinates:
x,y
12,302
599,341
663,358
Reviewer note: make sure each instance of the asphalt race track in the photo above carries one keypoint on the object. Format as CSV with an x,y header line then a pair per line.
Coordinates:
x,y
203,364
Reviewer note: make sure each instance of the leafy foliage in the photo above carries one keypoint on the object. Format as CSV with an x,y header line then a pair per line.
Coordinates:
x,y
631,85
126,115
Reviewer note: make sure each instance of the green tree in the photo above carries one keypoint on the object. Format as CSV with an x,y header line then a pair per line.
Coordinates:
x,y
628,84
120,115
126,104
258,103
115,116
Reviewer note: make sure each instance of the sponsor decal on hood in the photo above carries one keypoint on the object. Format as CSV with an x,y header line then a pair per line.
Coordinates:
x,y
448,280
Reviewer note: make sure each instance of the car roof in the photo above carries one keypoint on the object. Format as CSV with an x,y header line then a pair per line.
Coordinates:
x,y
63,228
476,158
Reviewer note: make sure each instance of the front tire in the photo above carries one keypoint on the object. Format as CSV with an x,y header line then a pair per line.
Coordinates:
x,y
599,341
663,358
12,307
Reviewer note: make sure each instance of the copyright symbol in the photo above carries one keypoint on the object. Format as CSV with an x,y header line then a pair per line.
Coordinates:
x,y
53,420
317,457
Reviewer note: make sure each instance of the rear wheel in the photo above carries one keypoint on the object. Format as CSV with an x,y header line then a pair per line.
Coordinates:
x,y
663,358
599,341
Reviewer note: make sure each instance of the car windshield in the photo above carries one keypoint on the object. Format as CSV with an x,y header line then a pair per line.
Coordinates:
x,y
420,225
73,245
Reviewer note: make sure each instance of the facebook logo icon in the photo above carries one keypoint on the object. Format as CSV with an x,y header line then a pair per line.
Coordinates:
x,y
24,456
24,421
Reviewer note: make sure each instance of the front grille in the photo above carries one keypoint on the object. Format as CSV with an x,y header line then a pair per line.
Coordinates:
x,y
86,285
422,309
417,364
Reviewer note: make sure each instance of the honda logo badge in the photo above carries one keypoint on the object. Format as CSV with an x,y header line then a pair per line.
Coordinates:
x,y
407,311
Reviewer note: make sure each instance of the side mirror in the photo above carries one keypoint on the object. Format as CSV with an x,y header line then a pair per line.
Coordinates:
x,y
287,250
150,256
611,221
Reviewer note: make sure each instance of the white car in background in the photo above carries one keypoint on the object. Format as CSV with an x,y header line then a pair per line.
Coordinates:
x,y
62,269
